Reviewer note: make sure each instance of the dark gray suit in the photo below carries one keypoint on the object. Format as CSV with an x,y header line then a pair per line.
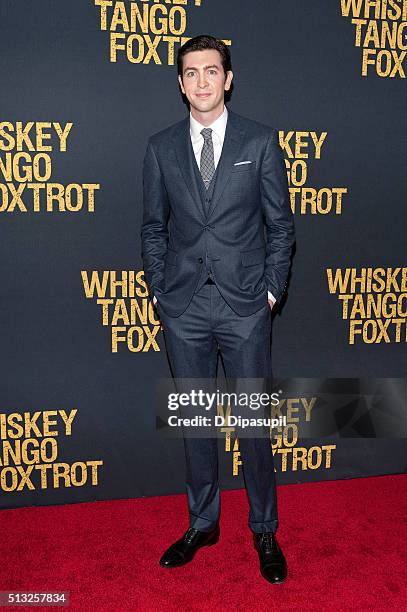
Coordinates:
x,y
239,232
247,234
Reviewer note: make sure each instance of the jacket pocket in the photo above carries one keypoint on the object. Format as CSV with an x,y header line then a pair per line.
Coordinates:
x,y
254,256
244,167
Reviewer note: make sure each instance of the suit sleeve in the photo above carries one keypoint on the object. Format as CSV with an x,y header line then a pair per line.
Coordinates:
x,y
278,217
154,232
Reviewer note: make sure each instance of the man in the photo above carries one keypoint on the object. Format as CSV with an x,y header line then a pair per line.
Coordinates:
x,y
217,236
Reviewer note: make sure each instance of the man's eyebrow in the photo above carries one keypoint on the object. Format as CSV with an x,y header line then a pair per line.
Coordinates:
x,y
205,67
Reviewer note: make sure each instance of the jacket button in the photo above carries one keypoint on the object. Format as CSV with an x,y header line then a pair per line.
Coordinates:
x,y
200,260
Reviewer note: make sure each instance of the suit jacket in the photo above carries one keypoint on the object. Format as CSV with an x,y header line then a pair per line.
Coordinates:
x,y
247,232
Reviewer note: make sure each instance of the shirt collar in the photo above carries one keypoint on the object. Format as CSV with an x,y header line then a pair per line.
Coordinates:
x,y
218,126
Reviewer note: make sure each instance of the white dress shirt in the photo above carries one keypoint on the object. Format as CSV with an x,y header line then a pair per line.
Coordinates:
x,y
218,136
218,128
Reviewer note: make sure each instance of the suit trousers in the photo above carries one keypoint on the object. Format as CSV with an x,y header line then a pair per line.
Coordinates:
x,y
192,341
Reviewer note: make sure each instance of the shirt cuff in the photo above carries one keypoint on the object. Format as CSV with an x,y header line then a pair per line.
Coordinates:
x,y
271,297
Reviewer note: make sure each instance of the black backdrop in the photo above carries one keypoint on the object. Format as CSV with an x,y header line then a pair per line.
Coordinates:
x,y
296,68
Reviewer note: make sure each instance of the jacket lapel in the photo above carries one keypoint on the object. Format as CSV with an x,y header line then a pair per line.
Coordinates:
x,y
230,150
186,159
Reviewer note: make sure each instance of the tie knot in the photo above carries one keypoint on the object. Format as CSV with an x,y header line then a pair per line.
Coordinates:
x,y
206,133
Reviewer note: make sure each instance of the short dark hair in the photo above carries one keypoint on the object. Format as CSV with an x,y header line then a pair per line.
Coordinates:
x,y
200,43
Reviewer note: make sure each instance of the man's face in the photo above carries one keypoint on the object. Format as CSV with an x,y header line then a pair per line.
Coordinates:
x,y
203,80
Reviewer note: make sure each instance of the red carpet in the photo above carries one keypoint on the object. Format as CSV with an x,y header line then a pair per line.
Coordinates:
x,y
345,543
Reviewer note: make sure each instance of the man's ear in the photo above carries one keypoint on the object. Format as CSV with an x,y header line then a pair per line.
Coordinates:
x,y
228,80
181,85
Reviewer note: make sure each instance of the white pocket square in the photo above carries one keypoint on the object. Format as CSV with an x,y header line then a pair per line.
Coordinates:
x,y
248,161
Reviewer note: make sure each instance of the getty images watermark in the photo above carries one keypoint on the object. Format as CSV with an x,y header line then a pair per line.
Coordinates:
x,y
315,407
196,405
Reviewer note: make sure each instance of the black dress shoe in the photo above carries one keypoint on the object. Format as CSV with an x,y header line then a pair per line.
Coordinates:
x,y
273,566
184,549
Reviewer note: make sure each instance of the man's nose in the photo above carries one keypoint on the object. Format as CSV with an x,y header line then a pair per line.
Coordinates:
x,y
202,81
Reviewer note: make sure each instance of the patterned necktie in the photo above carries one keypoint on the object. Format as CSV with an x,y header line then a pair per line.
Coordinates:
x,y
207,164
